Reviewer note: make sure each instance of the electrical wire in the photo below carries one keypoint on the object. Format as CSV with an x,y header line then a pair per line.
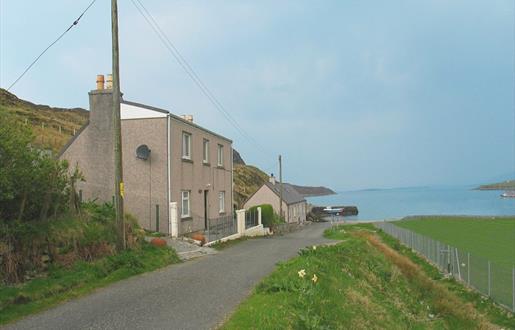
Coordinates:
x,y
192,74
50,46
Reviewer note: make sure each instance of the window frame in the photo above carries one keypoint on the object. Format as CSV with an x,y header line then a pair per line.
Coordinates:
x,y
205,151
186,136
187,194
220,155
221,202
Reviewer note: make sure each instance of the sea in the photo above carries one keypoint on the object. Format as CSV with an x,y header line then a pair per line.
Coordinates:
x,y
396,203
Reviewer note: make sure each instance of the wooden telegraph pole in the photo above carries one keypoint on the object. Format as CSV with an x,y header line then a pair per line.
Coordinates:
x,y
280,187
117,136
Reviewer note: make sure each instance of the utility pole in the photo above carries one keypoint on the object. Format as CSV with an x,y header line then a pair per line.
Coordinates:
x,y
117,136
280,187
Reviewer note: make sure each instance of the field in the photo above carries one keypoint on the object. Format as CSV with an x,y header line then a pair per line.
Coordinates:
x,y
368,281
490,238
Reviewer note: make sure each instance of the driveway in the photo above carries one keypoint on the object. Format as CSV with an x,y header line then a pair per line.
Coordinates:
x,y
198,294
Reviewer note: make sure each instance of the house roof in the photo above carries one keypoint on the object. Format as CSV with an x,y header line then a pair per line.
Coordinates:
x,y
290,195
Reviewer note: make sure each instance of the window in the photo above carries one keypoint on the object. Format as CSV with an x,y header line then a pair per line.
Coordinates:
x,y
186,145
185,198
220,155
221,201
206,151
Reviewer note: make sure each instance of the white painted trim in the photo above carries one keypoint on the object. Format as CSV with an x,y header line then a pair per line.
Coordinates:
x,y
129,111
168,184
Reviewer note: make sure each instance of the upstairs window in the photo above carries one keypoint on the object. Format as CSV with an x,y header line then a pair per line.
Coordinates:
x,y
206,151
186,145
220,155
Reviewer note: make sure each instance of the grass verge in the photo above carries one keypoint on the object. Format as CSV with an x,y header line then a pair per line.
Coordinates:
x,y
61,284
357,284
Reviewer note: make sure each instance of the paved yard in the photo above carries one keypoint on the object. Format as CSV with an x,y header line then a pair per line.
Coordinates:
x,y
198,294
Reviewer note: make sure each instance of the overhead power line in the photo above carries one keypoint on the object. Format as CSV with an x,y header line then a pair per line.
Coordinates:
x,y
169,45
53,43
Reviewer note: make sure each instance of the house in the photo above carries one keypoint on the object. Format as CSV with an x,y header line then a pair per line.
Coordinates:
x,y
294,204
177,175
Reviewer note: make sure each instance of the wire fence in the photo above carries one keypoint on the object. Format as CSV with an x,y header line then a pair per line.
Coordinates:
x,y
221,227
495,280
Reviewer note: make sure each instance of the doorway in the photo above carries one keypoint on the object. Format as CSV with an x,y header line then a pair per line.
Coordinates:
x,y
206,205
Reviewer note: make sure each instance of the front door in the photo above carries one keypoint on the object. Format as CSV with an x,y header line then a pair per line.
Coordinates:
x,y
205,208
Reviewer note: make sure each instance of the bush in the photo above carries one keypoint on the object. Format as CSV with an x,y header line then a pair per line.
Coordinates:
x,y
268,217
33,185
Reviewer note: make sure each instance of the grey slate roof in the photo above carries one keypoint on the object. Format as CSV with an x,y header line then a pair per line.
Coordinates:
x,y
290,195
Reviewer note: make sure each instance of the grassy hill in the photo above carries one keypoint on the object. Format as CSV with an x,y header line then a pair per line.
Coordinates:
x,y
52,127
506,185
247,180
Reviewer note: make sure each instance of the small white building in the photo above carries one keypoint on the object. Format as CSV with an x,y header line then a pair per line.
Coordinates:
x,y
294,204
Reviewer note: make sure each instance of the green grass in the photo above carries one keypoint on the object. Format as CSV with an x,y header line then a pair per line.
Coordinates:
x,y
357,288
61,284
490,238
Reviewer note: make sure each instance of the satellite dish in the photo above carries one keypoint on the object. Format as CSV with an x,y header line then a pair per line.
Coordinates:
x,y
143,152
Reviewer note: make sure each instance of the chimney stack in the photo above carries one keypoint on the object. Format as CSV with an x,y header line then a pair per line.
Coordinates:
x,y
109,82
100,81
188,118
272,179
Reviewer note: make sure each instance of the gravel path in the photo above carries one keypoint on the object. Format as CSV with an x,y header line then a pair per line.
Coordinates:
x,y
198,294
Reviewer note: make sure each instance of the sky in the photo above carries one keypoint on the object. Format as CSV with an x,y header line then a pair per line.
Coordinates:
x,y
352,94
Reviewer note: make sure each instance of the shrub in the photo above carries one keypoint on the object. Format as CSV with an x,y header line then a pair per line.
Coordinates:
x,y
268,217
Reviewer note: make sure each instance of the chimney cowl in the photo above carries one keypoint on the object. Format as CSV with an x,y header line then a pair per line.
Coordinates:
x,y
109,82
100,81
188,118
272,179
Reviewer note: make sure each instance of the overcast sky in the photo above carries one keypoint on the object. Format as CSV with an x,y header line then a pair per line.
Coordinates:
x,y
353,94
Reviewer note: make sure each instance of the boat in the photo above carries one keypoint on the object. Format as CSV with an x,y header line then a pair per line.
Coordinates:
x,y
508,194
332,210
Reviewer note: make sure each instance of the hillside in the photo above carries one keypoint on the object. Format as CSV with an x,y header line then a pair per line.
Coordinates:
x,y
506,185
308,191
52,127
247,180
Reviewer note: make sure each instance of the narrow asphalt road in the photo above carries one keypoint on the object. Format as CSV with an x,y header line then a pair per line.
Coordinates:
x,y
198,294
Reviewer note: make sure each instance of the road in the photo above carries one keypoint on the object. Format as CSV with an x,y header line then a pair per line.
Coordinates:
x,y
198,294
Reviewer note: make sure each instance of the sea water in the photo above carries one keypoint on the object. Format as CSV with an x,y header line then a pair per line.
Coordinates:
x,y
385,204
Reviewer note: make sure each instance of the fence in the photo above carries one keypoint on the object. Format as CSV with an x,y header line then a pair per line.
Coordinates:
x,y
218,228
251,218
494,280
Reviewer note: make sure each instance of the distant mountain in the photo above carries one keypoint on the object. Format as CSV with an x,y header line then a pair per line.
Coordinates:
x,y
308,191
506,185
52,127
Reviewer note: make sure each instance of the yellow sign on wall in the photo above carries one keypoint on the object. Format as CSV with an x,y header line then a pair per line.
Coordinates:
x,y
122,190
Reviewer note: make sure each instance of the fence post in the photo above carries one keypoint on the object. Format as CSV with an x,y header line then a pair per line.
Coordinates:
x,y
157,217
468,268
173,220
259,216
513,288
240,218
489,280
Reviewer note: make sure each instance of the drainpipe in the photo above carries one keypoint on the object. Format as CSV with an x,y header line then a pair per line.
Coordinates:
x,y
168,173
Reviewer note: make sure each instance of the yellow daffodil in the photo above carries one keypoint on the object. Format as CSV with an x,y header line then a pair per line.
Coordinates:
x,y
315,278
301,273
314,247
